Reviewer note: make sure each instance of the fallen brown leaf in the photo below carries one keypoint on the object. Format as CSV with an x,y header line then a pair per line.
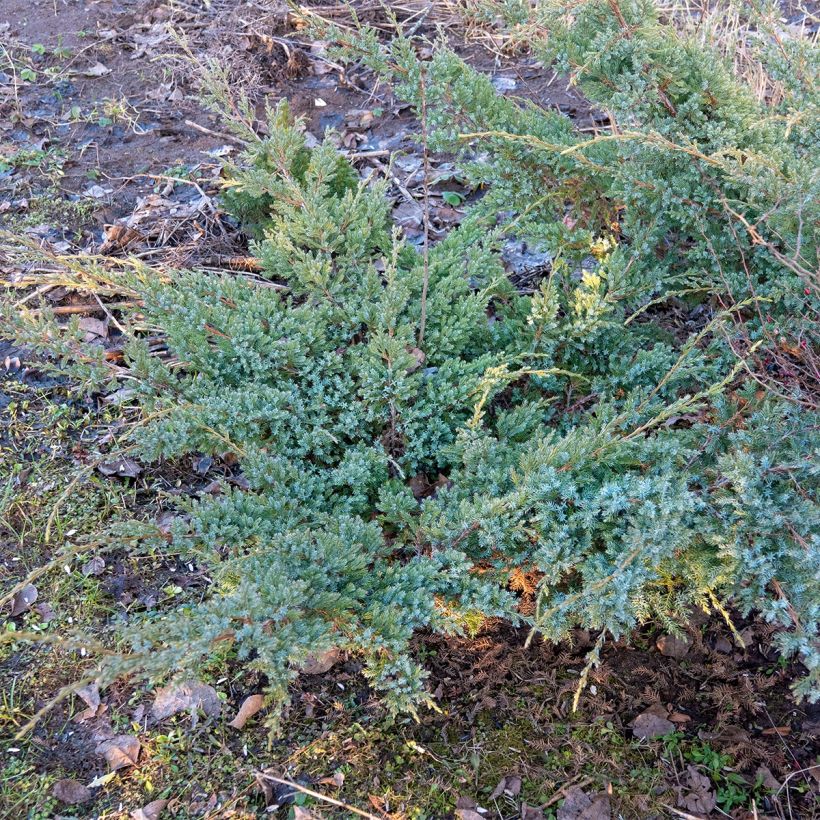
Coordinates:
x,y
510,785
671,646
319,664
767,779
150,812
468,809
337,780
120,751
409,215
23,600
513,786
94,328
697,794
250,706
266,787
123,467
90,695
419,357
95,566
118,237
71,792
188,696
46,612
580,806
649,725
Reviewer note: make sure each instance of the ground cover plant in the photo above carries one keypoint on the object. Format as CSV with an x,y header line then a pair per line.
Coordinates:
x,y
418,442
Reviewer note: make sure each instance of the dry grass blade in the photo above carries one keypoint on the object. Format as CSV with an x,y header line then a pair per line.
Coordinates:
x,y
318,795
736,31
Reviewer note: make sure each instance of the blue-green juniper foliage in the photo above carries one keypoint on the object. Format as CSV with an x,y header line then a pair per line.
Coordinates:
x,y
635,465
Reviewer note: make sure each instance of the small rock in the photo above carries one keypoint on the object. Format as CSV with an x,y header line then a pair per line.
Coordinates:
x,y
96,70
96,192
503,84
